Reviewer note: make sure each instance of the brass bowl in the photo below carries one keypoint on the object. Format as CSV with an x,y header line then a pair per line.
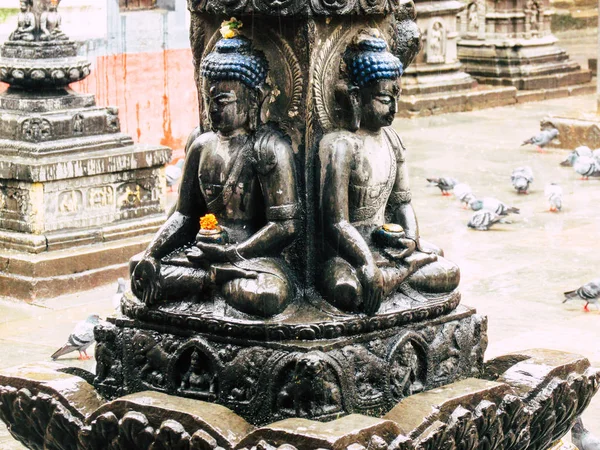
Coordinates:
x,y
388,234
217,235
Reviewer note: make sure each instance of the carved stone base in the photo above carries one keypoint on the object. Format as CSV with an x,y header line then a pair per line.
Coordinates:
x,y
575,131
456,101
78,260
528,401
526,64
266,372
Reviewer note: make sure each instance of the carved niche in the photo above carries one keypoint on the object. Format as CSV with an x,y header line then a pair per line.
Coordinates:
x,y
36,129
436,42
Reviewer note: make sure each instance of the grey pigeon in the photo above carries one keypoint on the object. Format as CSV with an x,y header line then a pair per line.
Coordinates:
x,y
483,219
582,438
173,173
579,151
446,184
463,193
80,338
521,178
553,193
589,292
116,298
587,166
542,139
494,205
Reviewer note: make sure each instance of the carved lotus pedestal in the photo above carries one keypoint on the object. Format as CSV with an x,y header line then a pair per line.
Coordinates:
x,y
526,400
76,194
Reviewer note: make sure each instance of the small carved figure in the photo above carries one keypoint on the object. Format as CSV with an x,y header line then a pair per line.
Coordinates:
x,y
244,175
406,372
472,18
436,43
311,389
50,22
533,16
25,23
152,358
199,377
364,184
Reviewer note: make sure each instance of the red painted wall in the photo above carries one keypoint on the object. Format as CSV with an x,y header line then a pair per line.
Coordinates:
x,y
155,93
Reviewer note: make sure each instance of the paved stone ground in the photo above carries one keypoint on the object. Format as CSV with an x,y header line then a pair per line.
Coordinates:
x,y
515,273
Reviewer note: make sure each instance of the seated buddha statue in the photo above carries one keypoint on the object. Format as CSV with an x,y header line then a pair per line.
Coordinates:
x,y
25,23
370,236
50,22
242,175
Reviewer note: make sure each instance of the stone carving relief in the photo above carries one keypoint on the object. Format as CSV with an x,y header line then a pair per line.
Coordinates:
x,y
70,201
533,17
408,369
151,354
195,371
308,386
14,200
99,197
108,354
25,23
112,120
78,124
130,196
473,18
436,42
36,129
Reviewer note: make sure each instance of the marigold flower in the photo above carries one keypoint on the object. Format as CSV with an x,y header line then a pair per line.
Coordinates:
x,y
208,222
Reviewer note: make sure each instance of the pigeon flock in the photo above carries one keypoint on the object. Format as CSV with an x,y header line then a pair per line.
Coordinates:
x,y
489,211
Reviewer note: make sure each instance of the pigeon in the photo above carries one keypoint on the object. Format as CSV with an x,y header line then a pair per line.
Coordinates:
x,y
590,292
116,298
579,151
521,178
483,219
173,173
80,339
587,167
553,193
494,205
463,193
542,139
446,184
582,438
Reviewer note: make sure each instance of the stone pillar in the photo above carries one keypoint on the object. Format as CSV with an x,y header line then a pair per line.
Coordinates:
x,y
77,196
508,43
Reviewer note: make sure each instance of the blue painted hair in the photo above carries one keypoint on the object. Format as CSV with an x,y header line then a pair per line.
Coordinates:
x,y
234,59
368,60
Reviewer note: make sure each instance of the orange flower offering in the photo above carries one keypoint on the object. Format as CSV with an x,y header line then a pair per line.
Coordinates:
x,y
209,222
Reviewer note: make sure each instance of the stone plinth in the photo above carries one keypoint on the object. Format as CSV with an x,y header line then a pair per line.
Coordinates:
x,y
526,400
436,81
507,45
77,197
575,131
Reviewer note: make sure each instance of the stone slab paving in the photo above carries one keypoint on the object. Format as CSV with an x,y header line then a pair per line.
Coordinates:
x,y
515,273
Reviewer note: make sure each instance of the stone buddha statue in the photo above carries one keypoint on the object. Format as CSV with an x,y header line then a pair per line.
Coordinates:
x,y
370,235
50,22
25,23
242,173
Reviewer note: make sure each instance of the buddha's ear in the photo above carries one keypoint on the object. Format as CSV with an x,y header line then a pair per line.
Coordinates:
x,y
347,97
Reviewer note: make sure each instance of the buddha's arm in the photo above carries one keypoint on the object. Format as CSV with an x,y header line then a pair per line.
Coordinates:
x,y
183,225
31,25
400,206
336,161
274,162
44,23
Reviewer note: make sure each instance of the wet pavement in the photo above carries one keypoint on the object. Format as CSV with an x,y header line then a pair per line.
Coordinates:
x,y
515,273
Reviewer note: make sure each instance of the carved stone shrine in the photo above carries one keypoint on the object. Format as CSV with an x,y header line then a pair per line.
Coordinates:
x,y
436,81
77,197
507,43
289,301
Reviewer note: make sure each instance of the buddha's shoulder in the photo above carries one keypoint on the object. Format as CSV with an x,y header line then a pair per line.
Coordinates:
x,y
203,141
271,148
340,141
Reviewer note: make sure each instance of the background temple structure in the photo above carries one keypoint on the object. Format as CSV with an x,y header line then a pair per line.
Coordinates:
x,y
77,197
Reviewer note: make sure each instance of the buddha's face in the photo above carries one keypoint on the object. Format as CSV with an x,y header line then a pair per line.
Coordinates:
x,y
379,104
229,106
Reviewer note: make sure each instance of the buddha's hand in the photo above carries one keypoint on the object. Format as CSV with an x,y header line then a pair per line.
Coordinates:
x,y
407,245
371,280
216,253
145,280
